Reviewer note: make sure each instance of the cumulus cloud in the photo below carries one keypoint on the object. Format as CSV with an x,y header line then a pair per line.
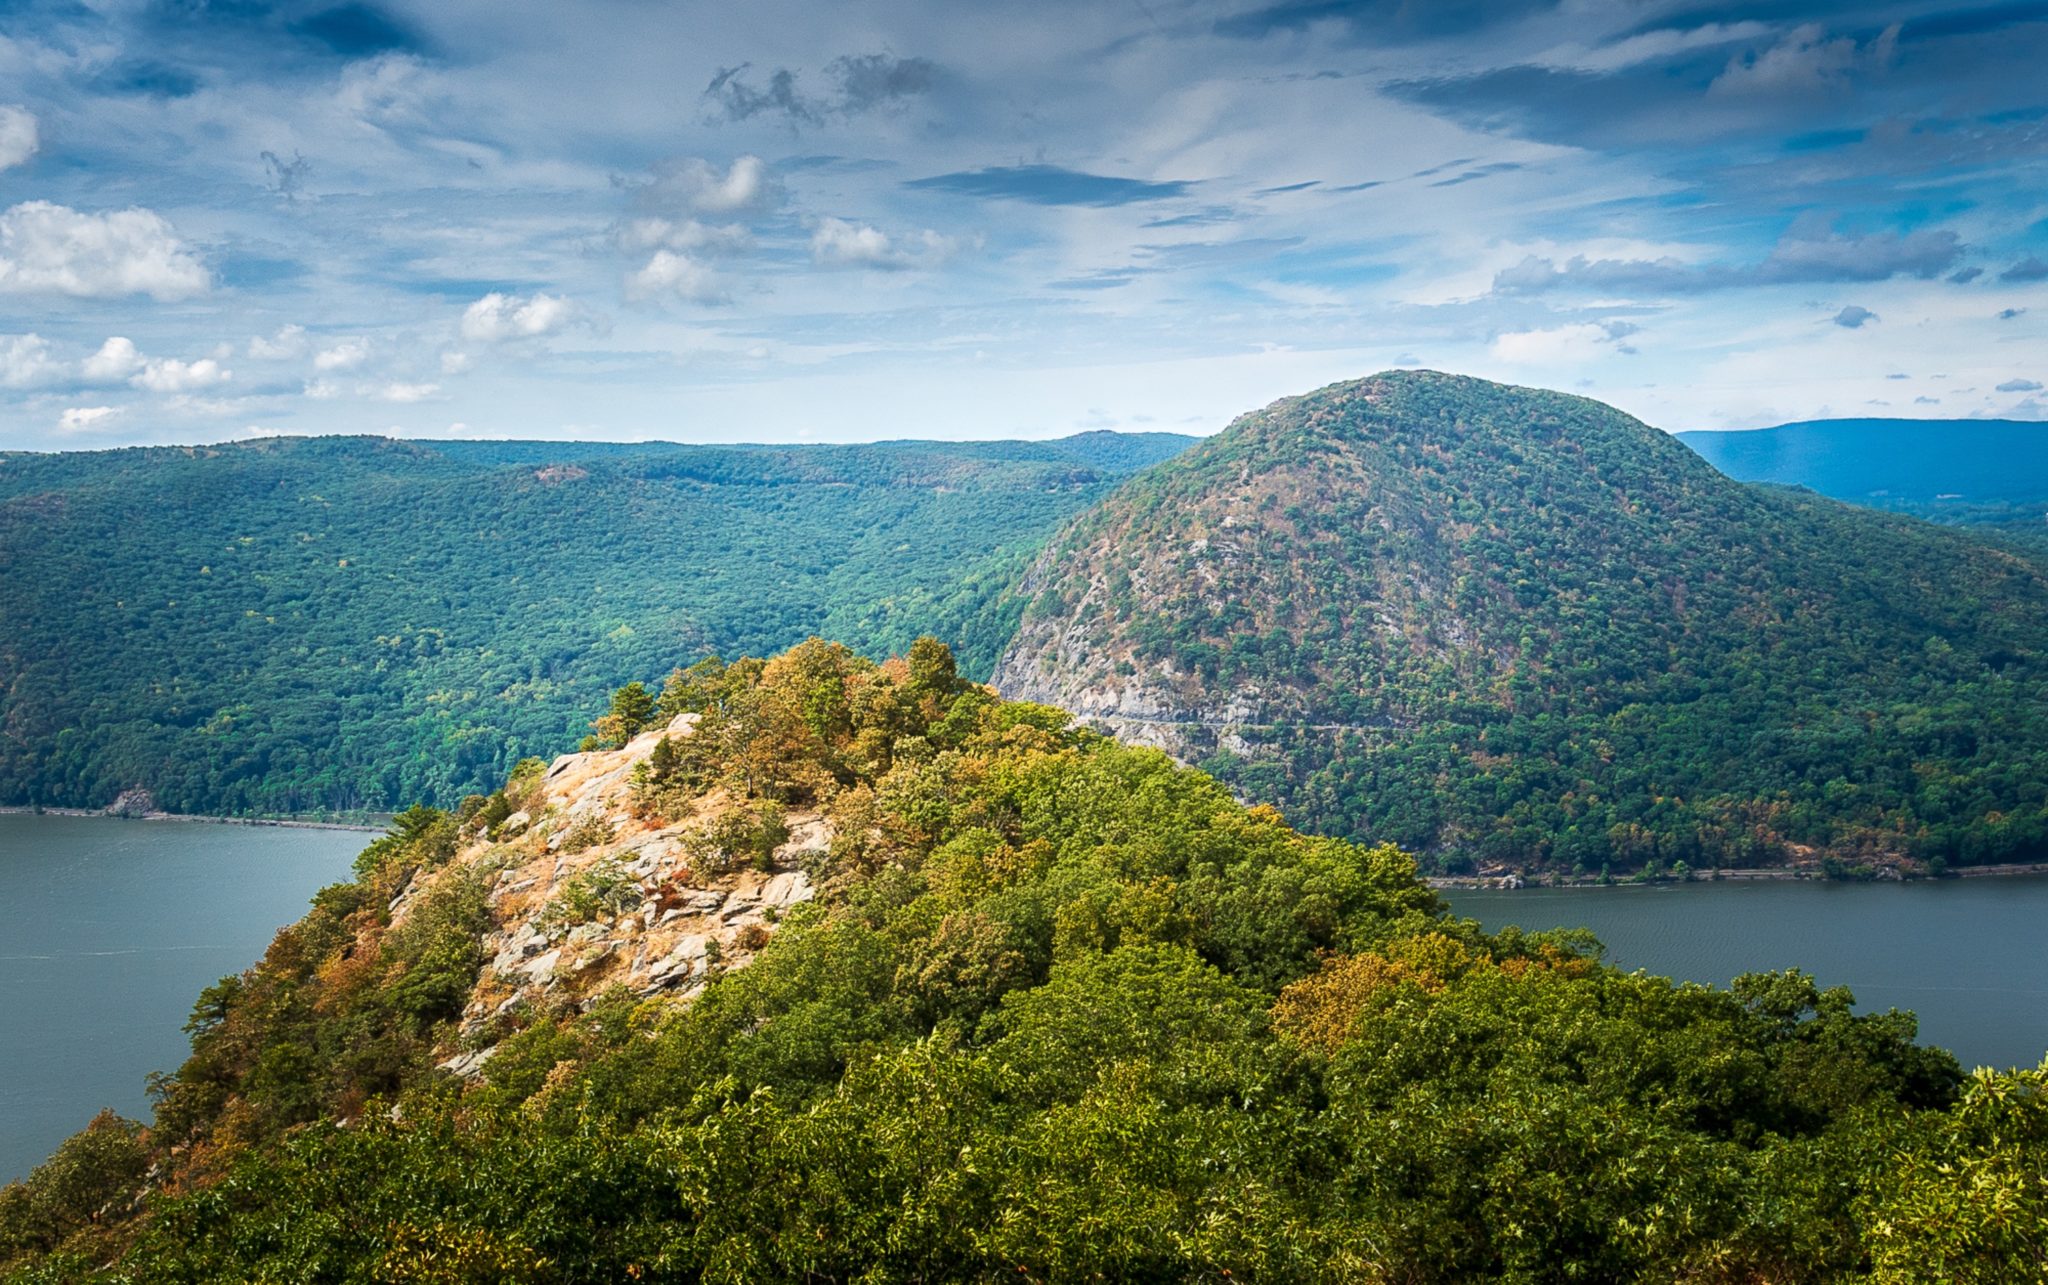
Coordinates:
x,y
399,392
18,136
859,83
25,362
169,375
1854,317
77,419
2020,386
691,185
52,249
837,243
288,343
2030,268
116,360
1807,253
499,318
669,274
119,361
346,355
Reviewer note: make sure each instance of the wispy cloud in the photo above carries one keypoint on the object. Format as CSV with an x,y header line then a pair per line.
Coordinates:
x,y
1808,253
1052,185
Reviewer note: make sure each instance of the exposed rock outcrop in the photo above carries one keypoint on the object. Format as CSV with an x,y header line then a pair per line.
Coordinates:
x,y
586,893
135,801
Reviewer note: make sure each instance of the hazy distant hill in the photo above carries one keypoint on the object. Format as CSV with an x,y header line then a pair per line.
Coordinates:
x,y
343,623
1977,472
1504,625
1889,459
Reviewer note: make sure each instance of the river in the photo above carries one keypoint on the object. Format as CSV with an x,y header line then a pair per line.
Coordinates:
x,y
108,931
1964,954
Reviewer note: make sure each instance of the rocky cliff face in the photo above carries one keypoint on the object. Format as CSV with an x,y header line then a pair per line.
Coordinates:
x,y
658,920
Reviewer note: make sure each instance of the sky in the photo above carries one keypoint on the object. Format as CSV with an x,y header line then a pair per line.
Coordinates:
x,y
624,219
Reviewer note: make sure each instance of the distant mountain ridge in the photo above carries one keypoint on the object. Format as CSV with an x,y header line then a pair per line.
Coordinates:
x,y
1506,626
360,623
1985,473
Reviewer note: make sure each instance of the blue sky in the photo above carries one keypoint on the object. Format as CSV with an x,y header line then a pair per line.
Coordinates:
x,y
806,222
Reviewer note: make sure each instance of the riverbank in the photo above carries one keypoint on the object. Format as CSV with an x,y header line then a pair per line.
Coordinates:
x,y
280,822
1753,874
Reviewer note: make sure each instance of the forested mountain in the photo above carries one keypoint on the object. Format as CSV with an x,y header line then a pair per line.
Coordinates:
x,y
1986,473
1510,627
820,970
302,625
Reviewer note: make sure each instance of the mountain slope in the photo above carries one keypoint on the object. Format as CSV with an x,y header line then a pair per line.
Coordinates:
x,y
851,972
1505,626
302,625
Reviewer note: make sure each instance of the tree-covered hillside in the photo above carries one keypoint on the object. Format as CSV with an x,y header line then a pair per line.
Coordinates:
x,y
333,624
1058,1011
1505,626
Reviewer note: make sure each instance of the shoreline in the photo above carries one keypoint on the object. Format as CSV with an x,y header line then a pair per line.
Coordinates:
x,y
279,822
1441,883
1753,874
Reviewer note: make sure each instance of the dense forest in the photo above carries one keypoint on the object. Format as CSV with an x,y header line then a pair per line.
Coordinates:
x,y
1061,1010
356,624
1505,627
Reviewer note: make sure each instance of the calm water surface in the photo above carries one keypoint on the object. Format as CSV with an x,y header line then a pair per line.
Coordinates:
x,y
108,931
1964,954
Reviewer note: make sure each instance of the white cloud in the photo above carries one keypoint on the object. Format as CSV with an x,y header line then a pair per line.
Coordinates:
x,y
116,360
25,361
346,355
695,186
77,419
497,318
52,249
669,273
453,362
651,232
322,390
287,343
407,392
837,243
1560,344
169,375
18,138
1649,46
